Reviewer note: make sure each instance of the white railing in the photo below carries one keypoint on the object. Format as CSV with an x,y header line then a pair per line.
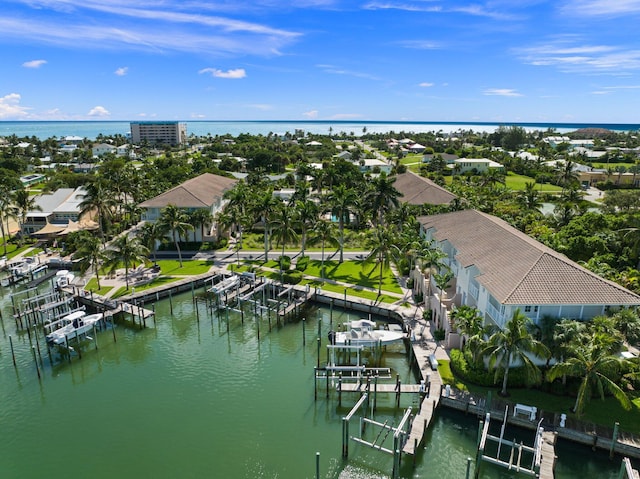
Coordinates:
x,y
496,315
473,291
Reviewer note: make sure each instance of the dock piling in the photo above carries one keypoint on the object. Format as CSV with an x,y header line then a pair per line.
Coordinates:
x,y
13,354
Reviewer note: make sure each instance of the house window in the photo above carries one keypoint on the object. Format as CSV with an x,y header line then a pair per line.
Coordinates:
x,y
528,309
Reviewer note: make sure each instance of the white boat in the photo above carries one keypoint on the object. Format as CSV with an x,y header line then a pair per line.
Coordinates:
x,y
64,278
73,325
363,332
226,284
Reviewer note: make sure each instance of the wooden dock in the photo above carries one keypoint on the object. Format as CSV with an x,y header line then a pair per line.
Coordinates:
x,y
548,455
423,419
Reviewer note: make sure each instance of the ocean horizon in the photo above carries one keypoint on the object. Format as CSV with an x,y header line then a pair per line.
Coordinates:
x,y
92,129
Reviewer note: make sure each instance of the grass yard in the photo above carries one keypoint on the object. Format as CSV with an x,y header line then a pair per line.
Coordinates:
x,y
162,280
92,285
189,267
356,272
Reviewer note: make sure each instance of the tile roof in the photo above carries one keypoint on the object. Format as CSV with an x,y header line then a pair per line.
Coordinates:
x,y
199,192
516,269
417,190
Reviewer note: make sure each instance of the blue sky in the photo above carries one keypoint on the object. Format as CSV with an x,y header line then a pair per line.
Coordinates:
x,y
413,60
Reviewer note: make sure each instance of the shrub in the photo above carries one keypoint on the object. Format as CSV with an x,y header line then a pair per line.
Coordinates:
x,y
292,277
410,283
302,263
285,263
419,297
439,334
481,376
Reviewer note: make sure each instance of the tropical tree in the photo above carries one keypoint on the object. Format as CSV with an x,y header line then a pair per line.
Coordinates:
x,y
470,323
89,254
199,219
325,232
308,213
148,234
431,260
529,198
283,227
598,368
382,196
175,221
125,251
514,344
24,203
340,201
98,199
382,246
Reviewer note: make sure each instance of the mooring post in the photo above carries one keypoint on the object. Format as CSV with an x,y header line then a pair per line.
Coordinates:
x,y
95,336
318,353
113,328
339,391
35,360
468,467
331,312
66,343
193,293
195,304
614,439
315,384
153,309
317,465
13,355
258,326
170,303
304,340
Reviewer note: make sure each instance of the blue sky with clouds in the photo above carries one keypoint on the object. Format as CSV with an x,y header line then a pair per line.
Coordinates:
x,y
418,60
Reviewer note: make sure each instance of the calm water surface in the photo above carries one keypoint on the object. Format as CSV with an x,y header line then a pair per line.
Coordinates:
x,y
191,400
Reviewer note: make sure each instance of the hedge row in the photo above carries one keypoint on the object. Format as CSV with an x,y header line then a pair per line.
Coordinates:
x,y
483,377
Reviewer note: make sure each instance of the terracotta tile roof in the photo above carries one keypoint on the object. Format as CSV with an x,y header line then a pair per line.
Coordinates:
x,y
516,269
199,192
417,190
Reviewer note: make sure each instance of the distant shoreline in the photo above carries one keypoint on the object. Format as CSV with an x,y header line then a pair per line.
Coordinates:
x,y
91,128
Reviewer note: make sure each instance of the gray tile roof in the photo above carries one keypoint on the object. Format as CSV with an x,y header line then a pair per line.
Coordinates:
x,y
516,269
417,190
199,192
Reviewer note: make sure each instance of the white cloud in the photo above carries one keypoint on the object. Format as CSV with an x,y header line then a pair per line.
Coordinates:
x,y
10,107
425,84
155,29
122,71
602,7
311,114
420,44
261,106
501,92
568,56
98,111
34,63
234,74
334,70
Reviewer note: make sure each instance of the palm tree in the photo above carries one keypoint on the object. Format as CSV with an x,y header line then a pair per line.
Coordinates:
x,y
308,213
431,259
7,211
598,368
383,196
529,198
24,203
283,228
381,245
471,325
325,232
513,344
89,254
340,202
148,234
264,208
97,198
199,219
125,250
176,221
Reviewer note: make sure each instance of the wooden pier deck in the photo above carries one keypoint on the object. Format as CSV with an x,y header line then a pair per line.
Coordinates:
x,y
548,455
422,420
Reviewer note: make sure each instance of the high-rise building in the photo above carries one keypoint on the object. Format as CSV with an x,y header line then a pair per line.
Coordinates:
x,y
154,132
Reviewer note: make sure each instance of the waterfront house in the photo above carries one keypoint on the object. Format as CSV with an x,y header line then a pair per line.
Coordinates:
x,y
202,192
102,149
417,190
58,212
499,269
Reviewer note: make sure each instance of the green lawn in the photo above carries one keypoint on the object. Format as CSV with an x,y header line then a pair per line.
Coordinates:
x,y
162,280
355,272
92,285
189,267
517,182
